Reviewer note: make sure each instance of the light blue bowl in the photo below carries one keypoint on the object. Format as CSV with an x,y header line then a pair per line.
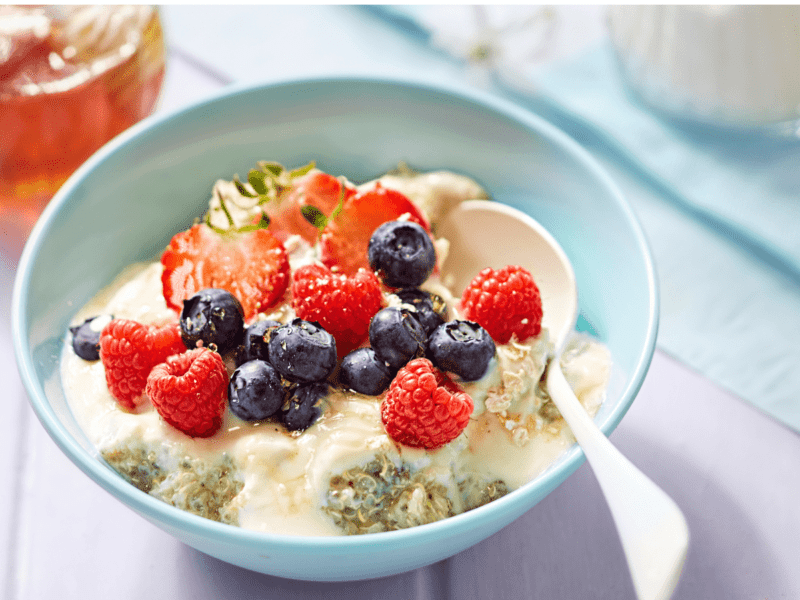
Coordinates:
x,y
128,200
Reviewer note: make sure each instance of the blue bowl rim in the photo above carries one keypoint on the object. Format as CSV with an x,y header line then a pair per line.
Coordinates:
x,y
161,512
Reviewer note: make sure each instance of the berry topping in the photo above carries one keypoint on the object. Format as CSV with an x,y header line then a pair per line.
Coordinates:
x,y
431,310
302,352
345,238
129,350
86,337
423,408
304,406
461,347
256,391
189,391
505,302
316,190
212,316
251,265
255,344
396,336
341,304
363,372
401,253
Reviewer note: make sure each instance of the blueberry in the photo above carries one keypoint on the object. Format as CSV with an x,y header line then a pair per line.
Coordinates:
x,y
86,337
461,347
304,406
212,316
255,391
431,310
255,342
402,254
302,351
396,336
363,372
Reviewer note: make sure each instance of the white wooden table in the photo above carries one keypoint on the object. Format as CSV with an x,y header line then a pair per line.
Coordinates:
x,y
734,472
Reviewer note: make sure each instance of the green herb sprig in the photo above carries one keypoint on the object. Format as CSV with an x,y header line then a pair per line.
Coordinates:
x,y
268,183
319,219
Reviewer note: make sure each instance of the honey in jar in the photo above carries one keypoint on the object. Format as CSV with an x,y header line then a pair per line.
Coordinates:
x,y
71,78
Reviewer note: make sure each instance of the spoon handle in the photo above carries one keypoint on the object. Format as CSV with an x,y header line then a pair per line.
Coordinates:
x,y
652,529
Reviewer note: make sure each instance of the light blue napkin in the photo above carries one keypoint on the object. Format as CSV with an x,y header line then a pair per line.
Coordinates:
x,y
722,214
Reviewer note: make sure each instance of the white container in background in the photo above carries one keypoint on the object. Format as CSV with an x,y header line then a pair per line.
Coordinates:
x,y
734,66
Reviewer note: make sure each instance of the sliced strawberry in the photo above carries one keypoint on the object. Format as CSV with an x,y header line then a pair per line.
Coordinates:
x,y
345,239
317,189
252,266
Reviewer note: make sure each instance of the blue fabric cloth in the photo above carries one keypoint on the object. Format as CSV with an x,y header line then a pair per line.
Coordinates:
x,y
721,211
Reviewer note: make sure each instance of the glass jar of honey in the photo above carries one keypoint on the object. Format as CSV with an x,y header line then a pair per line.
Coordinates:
x,y
71,78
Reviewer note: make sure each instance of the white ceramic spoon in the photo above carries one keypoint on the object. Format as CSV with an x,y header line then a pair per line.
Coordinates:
x,y
652,528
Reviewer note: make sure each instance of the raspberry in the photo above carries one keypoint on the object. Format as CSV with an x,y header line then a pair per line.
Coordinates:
x,y
189,391
505,303
129,350
343,305
423,408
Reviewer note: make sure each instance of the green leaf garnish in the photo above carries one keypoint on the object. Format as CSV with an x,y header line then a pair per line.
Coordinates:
x,y
300,171
257,180
338,208
207,221
263,221
224,208
240,186
271,167
251,227
314,216
269,181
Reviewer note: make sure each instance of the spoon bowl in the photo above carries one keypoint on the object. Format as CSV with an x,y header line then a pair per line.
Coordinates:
x,y
652,528
474,228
